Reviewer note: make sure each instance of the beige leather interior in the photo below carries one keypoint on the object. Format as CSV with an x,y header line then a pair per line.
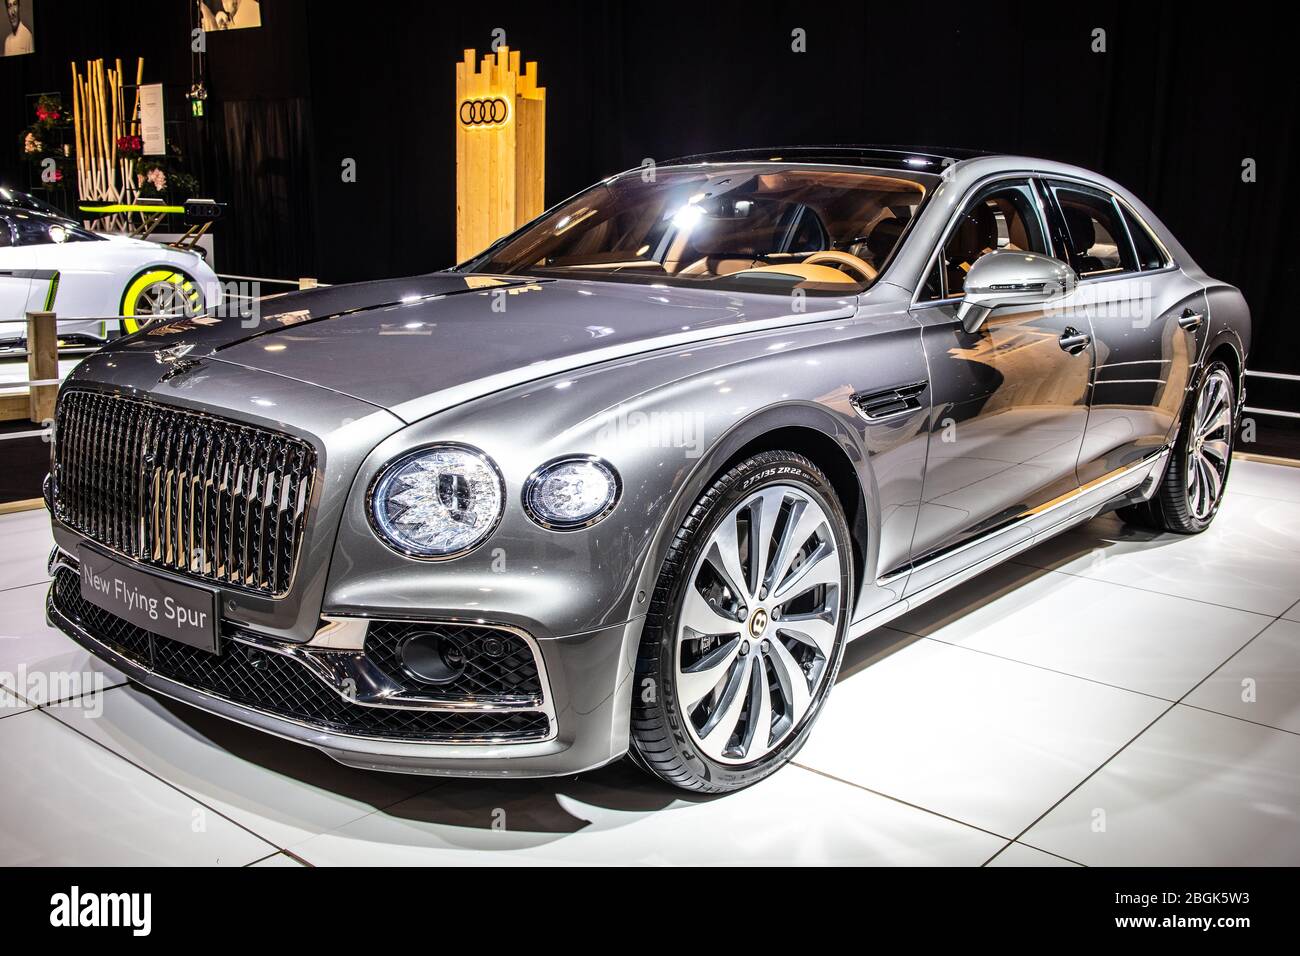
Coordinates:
x,y
806,272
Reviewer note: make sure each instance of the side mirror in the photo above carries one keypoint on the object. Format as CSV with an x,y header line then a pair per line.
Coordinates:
x,y
1007,277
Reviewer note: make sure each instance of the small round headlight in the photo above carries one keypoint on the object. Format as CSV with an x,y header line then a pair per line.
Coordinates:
x,y
571,493
438,502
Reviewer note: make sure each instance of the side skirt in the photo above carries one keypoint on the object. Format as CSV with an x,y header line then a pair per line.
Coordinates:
x,y
1024,532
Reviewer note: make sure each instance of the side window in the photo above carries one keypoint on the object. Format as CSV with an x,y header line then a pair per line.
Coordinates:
x,y
4,232
1096,237
1004,216
1149,254
932,287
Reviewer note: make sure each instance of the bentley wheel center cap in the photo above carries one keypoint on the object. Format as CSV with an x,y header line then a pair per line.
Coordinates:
x,y
758,623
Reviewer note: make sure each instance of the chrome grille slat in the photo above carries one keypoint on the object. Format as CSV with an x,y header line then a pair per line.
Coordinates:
x,y
215,499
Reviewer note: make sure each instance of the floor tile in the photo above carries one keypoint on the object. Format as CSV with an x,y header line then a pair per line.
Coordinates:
x,y
618,815
41,662
1294,613
69,802
25,543
1017,854
1265,480
1139,640
1248,559
1261,683
11,704
990,742
282,791
1197,789
280,859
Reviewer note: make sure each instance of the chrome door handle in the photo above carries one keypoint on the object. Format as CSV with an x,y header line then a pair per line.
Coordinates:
x,y
1190,320
1074,341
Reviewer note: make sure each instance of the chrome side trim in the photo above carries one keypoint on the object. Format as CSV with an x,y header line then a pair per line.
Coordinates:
x,y
1098,493
1060,506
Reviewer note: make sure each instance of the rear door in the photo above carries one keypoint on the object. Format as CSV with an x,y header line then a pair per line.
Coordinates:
x,y
1010,401
1148,320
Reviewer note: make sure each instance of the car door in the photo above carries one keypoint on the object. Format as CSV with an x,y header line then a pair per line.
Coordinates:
x,y
1148,319
15,283
1010,401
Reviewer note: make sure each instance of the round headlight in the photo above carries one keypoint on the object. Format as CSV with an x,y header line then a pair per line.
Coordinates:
x,y
438,502
571,493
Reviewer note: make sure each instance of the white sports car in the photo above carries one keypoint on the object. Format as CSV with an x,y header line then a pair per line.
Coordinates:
x,y
50,263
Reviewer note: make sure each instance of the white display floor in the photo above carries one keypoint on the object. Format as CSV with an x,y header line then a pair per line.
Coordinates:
x,y
1085,704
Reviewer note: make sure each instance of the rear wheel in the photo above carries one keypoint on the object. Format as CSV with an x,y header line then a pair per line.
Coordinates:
x,y
745,633
160,294
1197,474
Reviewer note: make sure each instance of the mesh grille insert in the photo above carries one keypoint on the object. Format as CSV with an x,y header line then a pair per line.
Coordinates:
x,y
497,664
279,685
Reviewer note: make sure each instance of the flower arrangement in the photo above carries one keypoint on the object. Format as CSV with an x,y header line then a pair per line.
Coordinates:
x,y
159,176
40,140
130,147
44,115
49,111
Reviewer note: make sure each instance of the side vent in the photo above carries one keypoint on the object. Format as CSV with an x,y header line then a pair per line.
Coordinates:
x,y
889,403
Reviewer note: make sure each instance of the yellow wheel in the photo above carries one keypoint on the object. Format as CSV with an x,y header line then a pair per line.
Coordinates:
x,y
159,294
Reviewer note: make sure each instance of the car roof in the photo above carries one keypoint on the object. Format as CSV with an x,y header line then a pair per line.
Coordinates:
x,y
918,159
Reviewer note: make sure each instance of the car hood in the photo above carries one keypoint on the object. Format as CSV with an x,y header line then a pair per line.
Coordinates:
x,y
415,346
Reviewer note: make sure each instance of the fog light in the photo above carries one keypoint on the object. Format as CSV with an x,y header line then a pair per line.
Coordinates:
x,y
432,658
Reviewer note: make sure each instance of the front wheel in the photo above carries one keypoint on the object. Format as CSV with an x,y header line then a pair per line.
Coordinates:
x,y
159,294
1192,489
746,629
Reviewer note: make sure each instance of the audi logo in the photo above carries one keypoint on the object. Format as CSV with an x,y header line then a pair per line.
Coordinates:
x,y
485,112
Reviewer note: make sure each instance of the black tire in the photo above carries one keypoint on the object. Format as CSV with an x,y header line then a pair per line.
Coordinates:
x,y
661,742
1168,508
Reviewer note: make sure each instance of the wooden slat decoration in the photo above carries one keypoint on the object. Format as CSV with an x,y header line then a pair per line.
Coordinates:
x,y
500,116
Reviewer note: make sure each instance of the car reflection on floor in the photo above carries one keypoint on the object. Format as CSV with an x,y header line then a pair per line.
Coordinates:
x,y
1102,670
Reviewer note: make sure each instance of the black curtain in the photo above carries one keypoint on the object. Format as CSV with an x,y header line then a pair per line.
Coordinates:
x,y
263,158
1172,108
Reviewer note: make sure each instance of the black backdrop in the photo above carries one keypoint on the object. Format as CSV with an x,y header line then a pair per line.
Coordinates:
x,y
1171,109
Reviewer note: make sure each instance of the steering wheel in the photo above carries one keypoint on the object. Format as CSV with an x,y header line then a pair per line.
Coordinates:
x,y
834,257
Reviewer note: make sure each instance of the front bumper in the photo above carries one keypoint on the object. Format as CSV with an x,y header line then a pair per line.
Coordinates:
x,y
587,686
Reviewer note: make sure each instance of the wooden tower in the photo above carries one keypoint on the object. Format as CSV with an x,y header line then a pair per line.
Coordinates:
x,y
500,148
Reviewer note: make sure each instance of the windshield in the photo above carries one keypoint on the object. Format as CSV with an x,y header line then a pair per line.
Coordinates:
x,y
34,230
762,227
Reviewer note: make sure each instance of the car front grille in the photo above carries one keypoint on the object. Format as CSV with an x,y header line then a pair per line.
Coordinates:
x,y
279,685
206,497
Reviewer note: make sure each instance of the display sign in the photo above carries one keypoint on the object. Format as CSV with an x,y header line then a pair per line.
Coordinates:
x,y
160,605
500,148
153,131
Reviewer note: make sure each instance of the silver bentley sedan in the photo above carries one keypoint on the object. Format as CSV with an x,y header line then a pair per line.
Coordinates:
x,y
628,481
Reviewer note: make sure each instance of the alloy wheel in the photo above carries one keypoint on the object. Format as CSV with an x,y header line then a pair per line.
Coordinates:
x,y
1210,445
757,624
164,299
